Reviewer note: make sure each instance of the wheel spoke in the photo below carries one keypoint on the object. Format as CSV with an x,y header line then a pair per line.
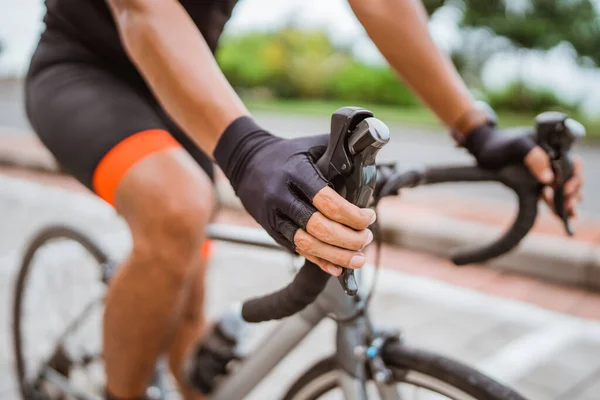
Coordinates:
x,y
78,321
63,384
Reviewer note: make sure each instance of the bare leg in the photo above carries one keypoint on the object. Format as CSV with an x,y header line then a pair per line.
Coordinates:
x,y
189,330
167,200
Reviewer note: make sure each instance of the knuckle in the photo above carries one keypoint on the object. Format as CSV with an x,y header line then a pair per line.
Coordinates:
x,y
342,258
331,208
303,242
362,223
357,242
323,265
320,229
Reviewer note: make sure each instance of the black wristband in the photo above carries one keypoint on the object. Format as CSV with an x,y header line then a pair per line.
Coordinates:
x,y
477,138
235,145
494,149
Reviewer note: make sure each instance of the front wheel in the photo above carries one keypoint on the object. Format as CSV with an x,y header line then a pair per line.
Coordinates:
x,y
417,375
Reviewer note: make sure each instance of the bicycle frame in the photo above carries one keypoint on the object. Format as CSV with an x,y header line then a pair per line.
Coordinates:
x,y
286,336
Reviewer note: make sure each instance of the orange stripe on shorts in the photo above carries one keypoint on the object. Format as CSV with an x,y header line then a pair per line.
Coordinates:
x,y
206,249
121,158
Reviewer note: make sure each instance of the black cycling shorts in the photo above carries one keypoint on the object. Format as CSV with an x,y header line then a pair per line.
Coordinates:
x,y
97,118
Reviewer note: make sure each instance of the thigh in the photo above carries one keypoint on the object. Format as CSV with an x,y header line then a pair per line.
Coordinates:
x,y
97,125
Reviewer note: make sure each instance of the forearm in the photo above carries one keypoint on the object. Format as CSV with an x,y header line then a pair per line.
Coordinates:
x,y
399,30
171,54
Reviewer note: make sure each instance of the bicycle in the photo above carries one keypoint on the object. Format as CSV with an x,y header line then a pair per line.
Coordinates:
x,y
368,360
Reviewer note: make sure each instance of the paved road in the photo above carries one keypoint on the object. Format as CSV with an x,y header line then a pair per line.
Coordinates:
x,y
409,147
12,113
546,355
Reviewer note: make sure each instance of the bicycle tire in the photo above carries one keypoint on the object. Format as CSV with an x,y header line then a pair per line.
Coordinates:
x,y
43,237
412,366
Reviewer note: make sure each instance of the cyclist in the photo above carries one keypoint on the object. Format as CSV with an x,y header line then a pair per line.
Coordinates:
x,y
128,97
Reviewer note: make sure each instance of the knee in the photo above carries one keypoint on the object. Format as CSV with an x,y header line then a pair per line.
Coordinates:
x,y
174,227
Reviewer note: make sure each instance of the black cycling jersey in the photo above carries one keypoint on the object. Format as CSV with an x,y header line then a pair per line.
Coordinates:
x,y
90,23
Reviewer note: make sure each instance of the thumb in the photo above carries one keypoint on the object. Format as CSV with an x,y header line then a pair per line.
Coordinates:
x,y
538,163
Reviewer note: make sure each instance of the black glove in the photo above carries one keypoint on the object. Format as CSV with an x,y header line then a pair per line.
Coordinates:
x,y
494,148
276,179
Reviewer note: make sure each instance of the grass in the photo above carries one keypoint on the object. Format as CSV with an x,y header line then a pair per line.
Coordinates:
x,y
418,116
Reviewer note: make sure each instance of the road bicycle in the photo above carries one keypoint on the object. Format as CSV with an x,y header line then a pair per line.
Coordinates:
x,y
369,362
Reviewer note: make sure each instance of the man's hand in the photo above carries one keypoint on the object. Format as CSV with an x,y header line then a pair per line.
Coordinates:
x,y
337,227
493,149
279,185
538,163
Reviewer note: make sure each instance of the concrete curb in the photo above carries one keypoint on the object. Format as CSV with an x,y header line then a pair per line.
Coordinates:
x,y
545,256
548,257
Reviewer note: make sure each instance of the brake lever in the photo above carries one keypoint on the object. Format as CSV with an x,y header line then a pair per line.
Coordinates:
x,y
349,163
556,134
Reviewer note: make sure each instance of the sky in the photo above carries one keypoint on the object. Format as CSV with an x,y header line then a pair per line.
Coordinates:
x,y
20,26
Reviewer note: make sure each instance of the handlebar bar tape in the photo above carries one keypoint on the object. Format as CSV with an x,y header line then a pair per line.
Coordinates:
x,y
511,238
516,177
458,174
302,291
427,176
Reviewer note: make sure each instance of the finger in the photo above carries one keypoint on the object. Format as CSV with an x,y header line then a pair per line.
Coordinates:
x,y
538,163
312,246
338,209
576,182
573,199
336,234
573,186
573,213
572,203
548,196
577,166
323,264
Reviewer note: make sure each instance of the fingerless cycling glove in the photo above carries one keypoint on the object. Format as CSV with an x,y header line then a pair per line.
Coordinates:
x,y
275,178
494,148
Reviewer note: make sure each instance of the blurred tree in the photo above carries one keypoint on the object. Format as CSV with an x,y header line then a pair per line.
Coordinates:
x,y
291,62
533,24
433,5
517,96
359,82
295,63
540,24
488,27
